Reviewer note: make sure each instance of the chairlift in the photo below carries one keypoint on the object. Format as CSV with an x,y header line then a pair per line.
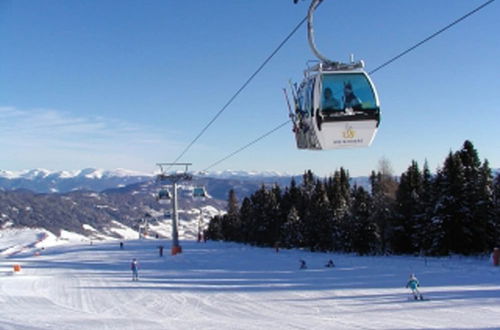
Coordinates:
x,y
336,105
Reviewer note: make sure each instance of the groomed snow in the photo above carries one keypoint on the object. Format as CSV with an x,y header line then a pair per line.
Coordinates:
x,y
230,286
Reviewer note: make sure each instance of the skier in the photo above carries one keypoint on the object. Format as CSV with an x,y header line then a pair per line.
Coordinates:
x,y
303,264
121,245
277,247
330,264
134,266
413,284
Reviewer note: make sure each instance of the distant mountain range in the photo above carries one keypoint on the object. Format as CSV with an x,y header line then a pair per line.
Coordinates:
x,y
105,214
97,203
98,180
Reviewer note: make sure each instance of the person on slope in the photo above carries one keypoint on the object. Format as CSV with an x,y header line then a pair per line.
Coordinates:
x,y
134,266
413,284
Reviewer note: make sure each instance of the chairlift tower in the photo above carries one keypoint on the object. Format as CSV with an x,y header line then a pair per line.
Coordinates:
x,y
174,178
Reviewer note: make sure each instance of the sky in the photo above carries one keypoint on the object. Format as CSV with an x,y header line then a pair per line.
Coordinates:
x,y
128,84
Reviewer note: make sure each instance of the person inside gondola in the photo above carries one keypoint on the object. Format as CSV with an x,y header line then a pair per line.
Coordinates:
x,y
351,101
330,103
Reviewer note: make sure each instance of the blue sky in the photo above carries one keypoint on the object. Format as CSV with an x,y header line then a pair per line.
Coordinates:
x,y
128,84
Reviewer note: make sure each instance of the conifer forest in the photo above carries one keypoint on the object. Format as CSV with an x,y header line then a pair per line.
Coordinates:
x,y
454,211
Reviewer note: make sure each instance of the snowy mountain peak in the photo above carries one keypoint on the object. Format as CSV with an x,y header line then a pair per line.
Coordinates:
x,y
89,173
32,174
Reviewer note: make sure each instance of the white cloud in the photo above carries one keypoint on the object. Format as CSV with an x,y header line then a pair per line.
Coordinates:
x,y
56,139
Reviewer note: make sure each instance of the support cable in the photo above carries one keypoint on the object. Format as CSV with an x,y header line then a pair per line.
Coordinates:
x,y
248,145
247,82
435,34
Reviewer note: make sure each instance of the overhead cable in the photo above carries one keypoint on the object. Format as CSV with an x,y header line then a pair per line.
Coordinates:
x,y
247,82
435,34
371,72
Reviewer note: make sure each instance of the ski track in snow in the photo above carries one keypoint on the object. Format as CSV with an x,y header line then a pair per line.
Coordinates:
x,y
231,286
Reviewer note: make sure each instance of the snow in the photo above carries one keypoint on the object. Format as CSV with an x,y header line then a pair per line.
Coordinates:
x,y
89,173
14,241
122,230
217,285
8,174
121,172
94,233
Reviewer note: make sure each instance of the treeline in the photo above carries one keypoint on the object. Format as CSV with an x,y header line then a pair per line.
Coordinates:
x,y
457,210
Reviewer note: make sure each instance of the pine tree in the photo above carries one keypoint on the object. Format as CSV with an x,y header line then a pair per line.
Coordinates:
x,y
339,194
496,211
409,207
214,231
484,212
424,220
473,220
247,221
292,229
363,230
384,188
275,216
292,197
308,184
266,216
318,224
231,224
452,232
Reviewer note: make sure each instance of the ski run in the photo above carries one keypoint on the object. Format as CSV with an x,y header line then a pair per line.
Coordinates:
x,y
216,285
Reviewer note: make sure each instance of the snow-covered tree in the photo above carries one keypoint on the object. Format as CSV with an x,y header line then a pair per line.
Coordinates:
x,y
384,187
291,230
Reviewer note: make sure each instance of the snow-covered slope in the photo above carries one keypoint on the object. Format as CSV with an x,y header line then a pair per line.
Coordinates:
x,y
45,181
229,286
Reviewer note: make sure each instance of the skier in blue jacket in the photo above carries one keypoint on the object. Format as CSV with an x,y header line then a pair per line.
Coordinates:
x,y
413,284
134,266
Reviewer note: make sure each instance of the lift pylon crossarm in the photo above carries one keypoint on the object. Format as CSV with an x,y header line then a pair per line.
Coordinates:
x,y
161,165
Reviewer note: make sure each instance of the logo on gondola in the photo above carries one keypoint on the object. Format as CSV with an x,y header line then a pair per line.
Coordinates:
x,y
349,133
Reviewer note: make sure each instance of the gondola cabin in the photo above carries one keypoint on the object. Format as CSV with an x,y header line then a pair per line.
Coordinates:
x,y
163,194
199,192
336,109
